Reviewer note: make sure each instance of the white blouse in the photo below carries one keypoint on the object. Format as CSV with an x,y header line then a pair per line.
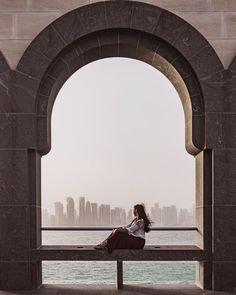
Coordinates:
x,y
136,228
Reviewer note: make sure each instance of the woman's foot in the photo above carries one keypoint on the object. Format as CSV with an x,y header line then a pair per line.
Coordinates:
x,y
101,246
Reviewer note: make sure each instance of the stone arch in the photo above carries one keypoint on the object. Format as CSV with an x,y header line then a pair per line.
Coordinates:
x,y
113,28
132,44
102,29
5,100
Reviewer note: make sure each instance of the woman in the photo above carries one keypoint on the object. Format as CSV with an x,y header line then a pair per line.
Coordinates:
x,y
131,236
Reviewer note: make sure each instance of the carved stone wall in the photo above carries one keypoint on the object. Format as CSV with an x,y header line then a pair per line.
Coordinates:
x,y
31,76
22,20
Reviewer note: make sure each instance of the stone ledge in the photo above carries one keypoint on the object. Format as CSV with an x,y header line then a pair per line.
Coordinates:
x,y
151,253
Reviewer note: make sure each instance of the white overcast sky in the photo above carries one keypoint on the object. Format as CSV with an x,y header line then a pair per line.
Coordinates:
x,y
118,138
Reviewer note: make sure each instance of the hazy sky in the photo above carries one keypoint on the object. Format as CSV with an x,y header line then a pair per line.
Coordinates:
x,y
118,138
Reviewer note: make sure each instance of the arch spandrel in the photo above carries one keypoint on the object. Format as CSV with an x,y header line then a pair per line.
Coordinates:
x,y
232,66
5,99
130,15
176,41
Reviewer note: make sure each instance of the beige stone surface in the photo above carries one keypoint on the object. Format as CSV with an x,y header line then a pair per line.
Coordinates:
x,y
223,5
13,49
13,5
182,5
28,25
226,50
209,24
47,5
6,26
230,25
229,51
22,20
78,3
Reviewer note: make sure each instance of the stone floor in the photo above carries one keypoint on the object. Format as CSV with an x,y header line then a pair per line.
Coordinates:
x,y
75,289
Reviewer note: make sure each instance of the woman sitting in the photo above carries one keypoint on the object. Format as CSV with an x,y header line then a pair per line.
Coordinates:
x,y
131,236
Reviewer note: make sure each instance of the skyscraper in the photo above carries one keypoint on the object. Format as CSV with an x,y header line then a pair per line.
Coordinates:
x,y
116,216
58,213
123,216
169,215
70,211
81,210
104,214
94,208
88,213
108,214
156,214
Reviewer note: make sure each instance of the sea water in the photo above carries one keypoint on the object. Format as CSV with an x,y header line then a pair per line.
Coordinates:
x,y
101,272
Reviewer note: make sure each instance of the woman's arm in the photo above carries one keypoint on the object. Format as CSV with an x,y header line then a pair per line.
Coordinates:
x,y
135,226
128,225
121,230
125,226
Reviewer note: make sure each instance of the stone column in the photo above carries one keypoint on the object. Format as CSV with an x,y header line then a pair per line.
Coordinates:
x,y
20,204
224,220
204,216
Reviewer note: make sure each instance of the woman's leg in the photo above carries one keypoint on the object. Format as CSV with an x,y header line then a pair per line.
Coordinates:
x,y
124,241
104,243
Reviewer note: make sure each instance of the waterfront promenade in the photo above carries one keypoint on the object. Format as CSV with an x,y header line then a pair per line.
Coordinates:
x,y
142,289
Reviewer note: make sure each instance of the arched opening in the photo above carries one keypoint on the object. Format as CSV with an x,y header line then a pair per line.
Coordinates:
x,y
143,47
130,117
126,144
146,48
132,44
117,29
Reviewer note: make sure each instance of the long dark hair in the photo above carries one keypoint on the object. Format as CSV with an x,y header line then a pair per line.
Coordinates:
x,y
142,214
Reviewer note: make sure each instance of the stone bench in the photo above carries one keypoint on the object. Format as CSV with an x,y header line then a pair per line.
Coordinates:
x,y
148,253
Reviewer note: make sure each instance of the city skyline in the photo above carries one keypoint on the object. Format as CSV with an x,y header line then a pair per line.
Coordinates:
x,y
118,144
91,214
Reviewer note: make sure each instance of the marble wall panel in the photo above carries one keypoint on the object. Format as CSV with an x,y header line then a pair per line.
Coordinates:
x,y
15,276
224,233
144,17
35,228
204,225
213,88
221,130
6,104
14,187
224,276
224,177
36,274
203,173
18,130
15,232
119,15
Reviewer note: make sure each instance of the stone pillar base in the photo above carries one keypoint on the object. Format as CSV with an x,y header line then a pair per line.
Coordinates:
x,y
22,275
224,276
